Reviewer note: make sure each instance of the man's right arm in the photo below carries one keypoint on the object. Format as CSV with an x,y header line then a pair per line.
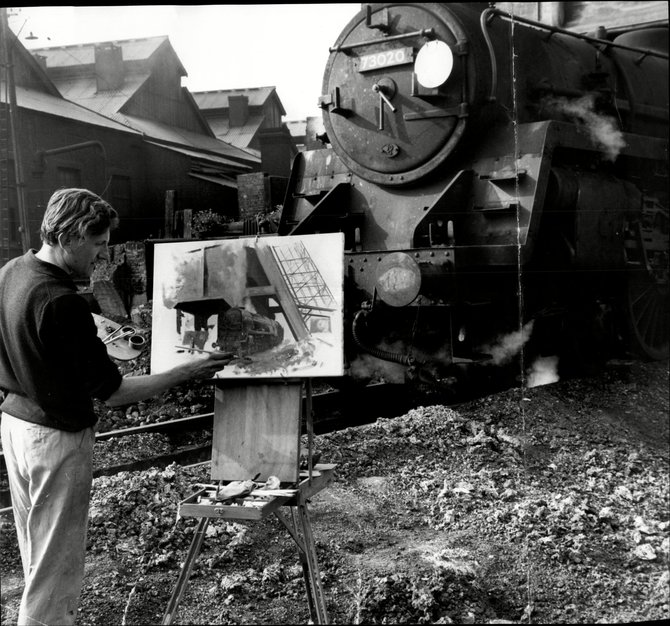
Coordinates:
x,y
136,388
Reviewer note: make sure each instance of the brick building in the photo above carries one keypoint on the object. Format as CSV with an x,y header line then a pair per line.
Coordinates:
x,y
251,119
308,134
114,117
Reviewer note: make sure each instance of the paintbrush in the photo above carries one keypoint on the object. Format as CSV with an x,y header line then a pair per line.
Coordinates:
x,y
198,350
232,356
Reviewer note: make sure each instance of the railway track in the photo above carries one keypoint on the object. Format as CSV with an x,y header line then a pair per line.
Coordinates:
x,y
332,411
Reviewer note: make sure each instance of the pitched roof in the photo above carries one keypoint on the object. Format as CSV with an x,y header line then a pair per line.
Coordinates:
x,y
240,136
218,99
305,131
185,139
215,105
33,76
202,156
297,128
52,105
84,90
76,55
72,69
35,91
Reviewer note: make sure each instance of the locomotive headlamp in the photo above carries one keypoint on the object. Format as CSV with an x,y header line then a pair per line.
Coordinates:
x,y
398,279
433,64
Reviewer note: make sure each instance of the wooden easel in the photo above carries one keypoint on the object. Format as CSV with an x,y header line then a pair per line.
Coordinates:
x,y
256,435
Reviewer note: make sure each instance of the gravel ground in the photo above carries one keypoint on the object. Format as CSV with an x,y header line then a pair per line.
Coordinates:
x,y
543,505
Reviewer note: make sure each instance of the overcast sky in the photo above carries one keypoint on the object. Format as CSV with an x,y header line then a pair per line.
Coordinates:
x,y
223,46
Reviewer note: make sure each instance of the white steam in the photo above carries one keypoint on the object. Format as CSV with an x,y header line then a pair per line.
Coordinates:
x,y
368,367
601,128
544,371
506,347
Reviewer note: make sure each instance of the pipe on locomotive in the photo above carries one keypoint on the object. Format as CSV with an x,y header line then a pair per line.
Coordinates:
x,y
384,355
425,32
488,15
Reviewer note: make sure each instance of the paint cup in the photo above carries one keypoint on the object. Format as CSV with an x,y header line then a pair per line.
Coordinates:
x,y
136,342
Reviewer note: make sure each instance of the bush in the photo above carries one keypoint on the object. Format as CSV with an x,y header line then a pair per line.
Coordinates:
x,y
207,223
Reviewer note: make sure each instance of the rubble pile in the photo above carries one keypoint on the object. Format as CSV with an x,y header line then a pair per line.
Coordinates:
x,y
133,515
120,450
581,497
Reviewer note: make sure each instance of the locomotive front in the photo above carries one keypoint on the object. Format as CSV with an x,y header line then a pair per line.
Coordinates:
x,y
400,88
454,170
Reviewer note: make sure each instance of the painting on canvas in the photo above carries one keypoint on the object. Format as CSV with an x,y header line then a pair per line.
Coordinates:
x,y
275,303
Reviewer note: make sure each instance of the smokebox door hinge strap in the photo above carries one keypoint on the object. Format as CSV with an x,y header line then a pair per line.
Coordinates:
x,y
383,24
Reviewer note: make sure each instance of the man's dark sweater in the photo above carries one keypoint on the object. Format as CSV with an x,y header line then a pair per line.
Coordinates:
x,y
51,361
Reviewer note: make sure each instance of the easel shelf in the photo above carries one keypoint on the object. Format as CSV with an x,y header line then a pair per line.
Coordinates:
x,y
256,507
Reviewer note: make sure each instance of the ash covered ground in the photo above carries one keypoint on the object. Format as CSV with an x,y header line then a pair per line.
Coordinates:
x,y
542,505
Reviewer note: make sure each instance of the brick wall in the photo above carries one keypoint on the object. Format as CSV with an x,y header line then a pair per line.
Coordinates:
x,y
251,194
277,150
259,193
121,283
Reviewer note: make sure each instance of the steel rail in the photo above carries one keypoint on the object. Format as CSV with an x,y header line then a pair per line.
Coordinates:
x,y
332,411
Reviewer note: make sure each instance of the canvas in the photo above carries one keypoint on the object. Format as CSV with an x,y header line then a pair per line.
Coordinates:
x,y
274,302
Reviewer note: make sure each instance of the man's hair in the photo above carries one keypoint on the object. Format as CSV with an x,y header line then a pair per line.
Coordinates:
x,y
75,213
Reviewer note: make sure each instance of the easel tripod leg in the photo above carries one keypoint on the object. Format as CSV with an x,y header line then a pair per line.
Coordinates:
x,y
305,565
179,589
313,565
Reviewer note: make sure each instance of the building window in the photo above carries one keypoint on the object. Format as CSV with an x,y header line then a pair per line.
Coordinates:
x,y
69,177
276,118
119,194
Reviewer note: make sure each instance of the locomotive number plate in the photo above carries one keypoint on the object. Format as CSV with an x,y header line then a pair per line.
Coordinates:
x,y
387,58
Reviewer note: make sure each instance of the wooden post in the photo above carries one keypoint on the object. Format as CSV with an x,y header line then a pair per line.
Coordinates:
x,y
187,223
169,213
14,128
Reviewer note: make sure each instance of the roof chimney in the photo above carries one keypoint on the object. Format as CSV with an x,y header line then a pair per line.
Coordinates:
x,y
109,71
238,110
42,60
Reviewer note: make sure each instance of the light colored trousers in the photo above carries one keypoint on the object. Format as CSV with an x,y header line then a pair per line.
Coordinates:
x,y
50,477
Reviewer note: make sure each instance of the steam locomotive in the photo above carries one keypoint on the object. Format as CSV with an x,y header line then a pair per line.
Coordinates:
x,y
243,332
239,331
495,178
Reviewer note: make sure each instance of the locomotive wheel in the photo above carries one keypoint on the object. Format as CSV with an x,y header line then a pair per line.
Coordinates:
x,y
647,315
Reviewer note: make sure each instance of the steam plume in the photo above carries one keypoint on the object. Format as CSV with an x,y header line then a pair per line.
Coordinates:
x,y
544,371
368,367
601,128
508,346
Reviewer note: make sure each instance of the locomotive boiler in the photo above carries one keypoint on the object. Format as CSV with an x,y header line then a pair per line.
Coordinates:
x,y
493,177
